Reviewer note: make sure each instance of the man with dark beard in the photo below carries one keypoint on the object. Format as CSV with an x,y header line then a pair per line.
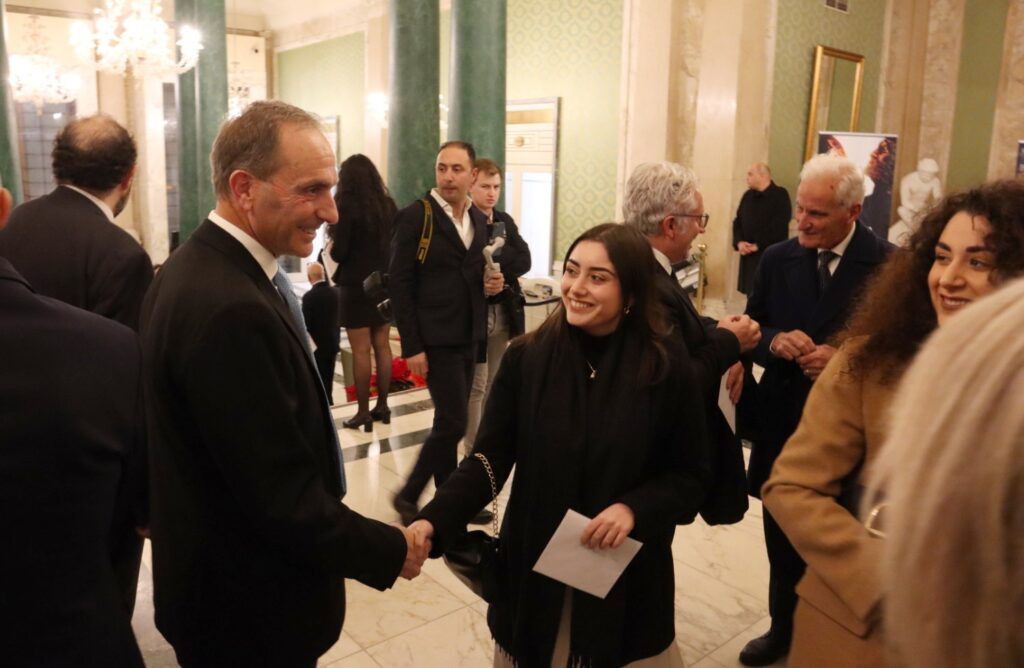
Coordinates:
x,y
66,244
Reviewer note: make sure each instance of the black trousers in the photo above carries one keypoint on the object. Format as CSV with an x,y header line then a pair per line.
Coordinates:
x,y
785,570
325,356
449,378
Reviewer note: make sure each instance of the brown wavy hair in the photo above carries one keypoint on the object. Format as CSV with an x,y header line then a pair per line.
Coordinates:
x,y
896,313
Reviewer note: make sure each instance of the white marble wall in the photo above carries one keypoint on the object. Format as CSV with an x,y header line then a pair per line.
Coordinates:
x,y
1009,119
942,65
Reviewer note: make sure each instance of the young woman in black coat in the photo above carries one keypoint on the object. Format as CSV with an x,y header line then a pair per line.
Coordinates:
x,y
599,412
361,243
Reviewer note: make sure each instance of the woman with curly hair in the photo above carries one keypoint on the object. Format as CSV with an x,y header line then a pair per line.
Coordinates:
x,y
361,243
965,248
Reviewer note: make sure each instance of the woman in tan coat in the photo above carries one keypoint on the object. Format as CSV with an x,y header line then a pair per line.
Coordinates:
x,y
964,248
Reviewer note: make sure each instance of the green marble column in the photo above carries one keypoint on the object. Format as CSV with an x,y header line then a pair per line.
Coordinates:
x,y
211,91
10,165
188,152
477,112
413,117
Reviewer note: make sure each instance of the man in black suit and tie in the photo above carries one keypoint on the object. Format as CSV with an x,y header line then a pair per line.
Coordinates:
x,y
663,202
251,542
66,243
72,478
320,310
805,290
438,296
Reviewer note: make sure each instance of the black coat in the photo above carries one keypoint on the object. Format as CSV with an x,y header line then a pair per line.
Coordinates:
x,y
361,245
72,469
712,351
250,541
67,249
441,301
785,297
762,218
514,258
320,310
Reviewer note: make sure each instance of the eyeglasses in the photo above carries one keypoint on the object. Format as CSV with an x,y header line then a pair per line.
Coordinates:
x,y
703,218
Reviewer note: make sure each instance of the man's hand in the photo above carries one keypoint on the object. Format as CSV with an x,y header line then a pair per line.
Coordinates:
x,y
418,364
791,345
746,330
734,381
610,528
813,363
417,549
494,283
746,248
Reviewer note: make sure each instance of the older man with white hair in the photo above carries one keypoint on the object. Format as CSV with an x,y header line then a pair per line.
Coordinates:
x,y
805,290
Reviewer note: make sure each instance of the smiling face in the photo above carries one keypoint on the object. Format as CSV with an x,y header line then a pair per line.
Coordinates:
x,y
822,221
455,173
286,210
591,292
962,270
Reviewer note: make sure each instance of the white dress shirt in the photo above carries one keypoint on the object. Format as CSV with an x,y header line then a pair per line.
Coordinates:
x,y
464,225
839,249
104,207
263,257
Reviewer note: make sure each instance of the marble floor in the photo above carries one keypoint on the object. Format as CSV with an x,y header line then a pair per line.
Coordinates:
x,y
721,576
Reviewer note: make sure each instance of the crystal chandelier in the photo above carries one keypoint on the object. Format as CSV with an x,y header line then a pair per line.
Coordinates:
x,y
37,78
131,38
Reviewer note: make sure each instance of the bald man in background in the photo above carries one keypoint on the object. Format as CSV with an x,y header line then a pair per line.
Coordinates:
x,y
320,309
762,219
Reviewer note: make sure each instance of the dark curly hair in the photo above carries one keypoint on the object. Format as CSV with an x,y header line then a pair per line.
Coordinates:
x,y
93,153
363,199
896,313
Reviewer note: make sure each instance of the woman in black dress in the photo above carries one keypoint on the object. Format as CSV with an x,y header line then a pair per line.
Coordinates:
x,y
599,412
361,242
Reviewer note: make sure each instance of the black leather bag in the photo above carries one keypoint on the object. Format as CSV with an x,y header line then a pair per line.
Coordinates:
x,y
474,558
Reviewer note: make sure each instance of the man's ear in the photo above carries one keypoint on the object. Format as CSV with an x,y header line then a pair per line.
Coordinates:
x,y
242,185
126,182
855,211
666,227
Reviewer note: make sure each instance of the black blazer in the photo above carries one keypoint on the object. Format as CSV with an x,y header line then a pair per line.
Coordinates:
x,y
250,541
712,351
71,476
785,297
515,261
440,302
320,310
762,218
358,247
67,249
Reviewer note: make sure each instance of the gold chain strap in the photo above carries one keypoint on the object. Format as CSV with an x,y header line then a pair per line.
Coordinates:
x,y
494,492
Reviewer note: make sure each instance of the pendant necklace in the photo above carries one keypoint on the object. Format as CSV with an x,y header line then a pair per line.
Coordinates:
x,y
593,371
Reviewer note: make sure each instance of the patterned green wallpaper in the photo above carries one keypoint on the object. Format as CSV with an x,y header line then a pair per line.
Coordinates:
x,y
802,24
572,49
328,78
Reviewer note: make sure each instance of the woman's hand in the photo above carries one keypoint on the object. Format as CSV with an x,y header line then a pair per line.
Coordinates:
x,y
610,528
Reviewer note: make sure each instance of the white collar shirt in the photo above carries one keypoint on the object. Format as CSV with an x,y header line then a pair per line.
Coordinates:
x,y
263,257
839,250
463,226
103,206
662,260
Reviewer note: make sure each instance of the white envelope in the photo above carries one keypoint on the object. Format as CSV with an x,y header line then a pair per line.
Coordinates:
x,y
567,560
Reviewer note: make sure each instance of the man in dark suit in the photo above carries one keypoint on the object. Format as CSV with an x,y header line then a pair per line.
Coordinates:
x,y
72,478
66,243
250,539
437,292
805,290
762,219
663,202
320,310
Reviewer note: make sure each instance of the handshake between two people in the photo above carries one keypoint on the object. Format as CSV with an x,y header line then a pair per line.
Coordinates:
x,y
417,550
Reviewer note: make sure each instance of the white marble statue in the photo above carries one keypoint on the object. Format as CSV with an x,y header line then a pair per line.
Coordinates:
x,y
918,191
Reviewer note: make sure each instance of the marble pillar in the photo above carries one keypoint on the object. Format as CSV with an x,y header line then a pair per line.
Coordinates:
x,y
149,191
188,140
1009,118
10,165
942,63
211,95
477,110
413,115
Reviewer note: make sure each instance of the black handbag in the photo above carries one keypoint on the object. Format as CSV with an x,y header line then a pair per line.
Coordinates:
x,y
473,558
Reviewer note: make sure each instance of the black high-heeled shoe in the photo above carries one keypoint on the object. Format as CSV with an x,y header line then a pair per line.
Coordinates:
x,y
355,422
382,415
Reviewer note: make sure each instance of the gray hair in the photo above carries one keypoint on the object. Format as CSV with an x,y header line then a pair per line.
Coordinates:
x,y
656,189
952,475
250,141
845,173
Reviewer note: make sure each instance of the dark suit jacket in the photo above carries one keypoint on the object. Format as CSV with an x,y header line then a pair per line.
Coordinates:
x,y
250,541
712,351
785,297
359,248
515,261
441,301
320,310
67,249
71,474
762,218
